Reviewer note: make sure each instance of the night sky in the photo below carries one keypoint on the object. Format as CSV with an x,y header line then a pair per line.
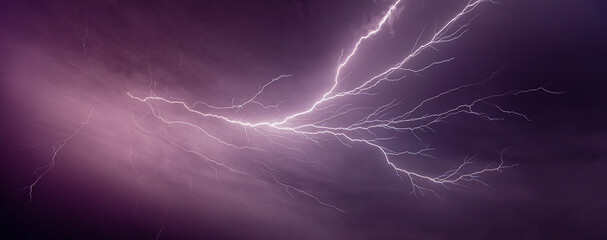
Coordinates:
x,y
107,165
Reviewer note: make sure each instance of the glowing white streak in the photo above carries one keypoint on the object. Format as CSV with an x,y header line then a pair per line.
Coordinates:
x,y
376,119
436,38
56,150
340,66
250,100
290,187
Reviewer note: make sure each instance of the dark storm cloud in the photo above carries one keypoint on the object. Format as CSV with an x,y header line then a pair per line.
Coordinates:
x,y
60,59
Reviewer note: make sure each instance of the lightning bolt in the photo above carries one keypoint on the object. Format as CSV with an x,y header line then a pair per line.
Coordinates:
x,y
376,129
56,149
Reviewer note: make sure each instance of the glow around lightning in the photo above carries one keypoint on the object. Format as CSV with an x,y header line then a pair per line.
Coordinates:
x,y
377,129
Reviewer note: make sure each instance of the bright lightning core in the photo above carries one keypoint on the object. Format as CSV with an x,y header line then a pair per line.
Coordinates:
x,y
217,135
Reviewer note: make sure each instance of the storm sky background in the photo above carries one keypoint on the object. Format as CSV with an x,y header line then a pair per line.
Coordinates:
x,y
61,59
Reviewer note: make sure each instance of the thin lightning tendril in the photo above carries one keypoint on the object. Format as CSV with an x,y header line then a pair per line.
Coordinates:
x,y
56,149
377,120
366,130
